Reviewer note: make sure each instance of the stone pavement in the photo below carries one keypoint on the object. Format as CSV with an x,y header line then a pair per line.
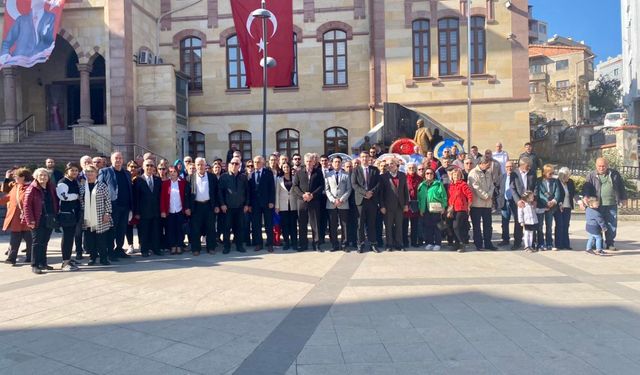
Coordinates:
x,y
289,313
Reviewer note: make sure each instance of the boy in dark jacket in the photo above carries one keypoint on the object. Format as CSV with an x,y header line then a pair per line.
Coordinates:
x,y
595,226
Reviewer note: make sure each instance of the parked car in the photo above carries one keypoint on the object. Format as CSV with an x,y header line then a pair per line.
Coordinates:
x,y
615,119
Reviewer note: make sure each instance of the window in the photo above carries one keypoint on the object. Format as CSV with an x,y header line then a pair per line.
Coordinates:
x,y
336,140
536,68
196,144
334,51
242,139
543,29
182,100
421,48
478,45
288,142
562,84
616,72
236,74
191,61
562,64
72,66
448,46
294,73
533,88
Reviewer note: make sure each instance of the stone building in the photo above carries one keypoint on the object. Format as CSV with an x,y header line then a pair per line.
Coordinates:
x,y
174,84
557,73
631,59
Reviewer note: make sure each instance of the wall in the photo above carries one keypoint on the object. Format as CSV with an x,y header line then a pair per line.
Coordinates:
x,y
631,58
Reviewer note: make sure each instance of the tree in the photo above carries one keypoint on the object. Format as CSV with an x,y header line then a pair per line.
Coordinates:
x,y
605,97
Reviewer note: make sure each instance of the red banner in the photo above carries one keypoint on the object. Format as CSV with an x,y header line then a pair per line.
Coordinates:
x,y
30,29
279,40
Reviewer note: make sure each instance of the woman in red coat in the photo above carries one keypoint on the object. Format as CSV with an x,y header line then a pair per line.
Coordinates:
x,y
413,215
15,185
40,206
459,203
174,207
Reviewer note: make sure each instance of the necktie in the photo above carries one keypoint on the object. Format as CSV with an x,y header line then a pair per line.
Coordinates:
x,y
258,177
337,178
150,183
366,178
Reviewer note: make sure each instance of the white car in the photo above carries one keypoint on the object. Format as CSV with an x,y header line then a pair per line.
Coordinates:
x,y
615,119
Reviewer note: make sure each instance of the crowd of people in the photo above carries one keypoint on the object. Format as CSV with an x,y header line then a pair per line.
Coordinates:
x,y
97,203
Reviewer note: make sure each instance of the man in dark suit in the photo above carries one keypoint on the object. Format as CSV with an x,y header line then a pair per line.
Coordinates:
x,y
308,185
505,202
522,182
203,199
365,181
323,213
394,201
262,199
337,187
233,194
146,209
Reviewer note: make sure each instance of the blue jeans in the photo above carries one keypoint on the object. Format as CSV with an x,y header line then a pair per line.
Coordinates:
x,y
506,211
563,219
610,216
597,238
545,239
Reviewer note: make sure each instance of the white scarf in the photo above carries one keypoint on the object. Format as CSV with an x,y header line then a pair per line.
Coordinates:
x,y
90,205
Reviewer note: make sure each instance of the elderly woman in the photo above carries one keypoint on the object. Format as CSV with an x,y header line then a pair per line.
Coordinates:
x,y
40,205
134,169
15,186
96,203
549,194
432,198
563,214
459,201
413,215
68,192
173,208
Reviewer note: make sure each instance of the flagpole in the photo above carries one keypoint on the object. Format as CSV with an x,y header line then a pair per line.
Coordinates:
x,y
264,82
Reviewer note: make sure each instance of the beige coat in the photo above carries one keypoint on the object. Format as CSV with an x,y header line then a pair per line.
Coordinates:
x,y
481,184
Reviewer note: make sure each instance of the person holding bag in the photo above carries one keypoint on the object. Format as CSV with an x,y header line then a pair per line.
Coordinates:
x,y
413,215
96,221
15,186
40,205
459,205
68,192
432,201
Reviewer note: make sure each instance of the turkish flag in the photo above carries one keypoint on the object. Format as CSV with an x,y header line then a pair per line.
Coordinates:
x,y
279,40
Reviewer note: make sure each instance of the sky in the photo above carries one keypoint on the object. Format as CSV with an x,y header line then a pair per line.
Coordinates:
x,y
597,22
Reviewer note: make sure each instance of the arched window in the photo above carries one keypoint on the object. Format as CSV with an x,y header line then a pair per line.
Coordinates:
x,y
421,48
288,141
448,46
336,139
72,66
196,144
478,45
98,67
242,139
191,61
236,74
334,52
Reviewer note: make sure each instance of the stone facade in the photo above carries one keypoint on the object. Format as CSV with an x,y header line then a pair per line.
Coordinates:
x,y
631,59
141,102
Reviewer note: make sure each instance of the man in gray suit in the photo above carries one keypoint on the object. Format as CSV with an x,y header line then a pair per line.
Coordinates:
x,y
337,186
31,33
394,200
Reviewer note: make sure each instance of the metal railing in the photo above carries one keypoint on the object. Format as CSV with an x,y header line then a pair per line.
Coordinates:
x,y
83,134
568,135
20,131
600,138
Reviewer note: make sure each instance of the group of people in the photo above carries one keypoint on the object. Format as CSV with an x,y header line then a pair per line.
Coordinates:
x,y
266,203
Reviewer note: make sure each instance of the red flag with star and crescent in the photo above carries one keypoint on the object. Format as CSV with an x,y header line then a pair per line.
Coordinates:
x,y
279,40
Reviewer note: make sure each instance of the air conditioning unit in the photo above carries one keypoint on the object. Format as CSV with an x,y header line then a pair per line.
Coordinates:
x,y
145,57
159,60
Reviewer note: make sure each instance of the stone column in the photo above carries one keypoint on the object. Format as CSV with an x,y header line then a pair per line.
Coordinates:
x,y
85,94
10,105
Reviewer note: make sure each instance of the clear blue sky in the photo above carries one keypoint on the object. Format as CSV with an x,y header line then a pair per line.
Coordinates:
x,y
597,22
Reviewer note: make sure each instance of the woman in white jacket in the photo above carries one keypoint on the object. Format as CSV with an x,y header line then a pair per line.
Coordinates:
x,y
287,207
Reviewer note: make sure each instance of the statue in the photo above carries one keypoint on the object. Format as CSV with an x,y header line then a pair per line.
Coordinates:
x,y
423,137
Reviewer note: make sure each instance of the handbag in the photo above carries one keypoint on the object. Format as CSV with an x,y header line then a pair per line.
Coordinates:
x,y
50,221
435,207
442,225
66,219
413,206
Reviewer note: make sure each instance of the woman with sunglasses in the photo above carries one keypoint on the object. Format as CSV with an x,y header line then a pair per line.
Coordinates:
x,y
432,200
173,209
413,215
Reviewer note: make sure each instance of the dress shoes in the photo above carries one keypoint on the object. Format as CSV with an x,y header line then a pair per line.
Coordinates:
x,y
226,251
402,249
114,259
374,249
145,255
503,243
258,248
36,270
196,253
92,262
491,247
104,262
302,248
241,250
11,262
270,249
46,268
516,246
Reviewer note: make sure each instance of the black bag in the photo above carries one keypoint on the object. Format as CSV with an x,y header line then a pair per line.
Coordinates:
x,y
442,225
50,221
67,219
413,206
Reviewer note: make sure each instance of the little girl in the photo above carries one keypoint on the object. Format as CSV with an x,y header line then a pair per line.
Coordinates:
x,y
528,218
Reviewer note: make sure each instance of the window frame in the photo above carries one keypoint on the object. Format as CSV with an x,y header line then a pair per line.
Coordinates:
x,y
245,146
336,139
232,43
476,57
193,144
423,34
565,64
335,71
448,31
288,150
563,87
195,81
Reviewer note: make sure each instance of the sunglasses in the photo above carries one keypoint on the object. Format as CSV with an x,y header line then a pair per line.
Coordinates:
x,y
429,173
234,163
421,169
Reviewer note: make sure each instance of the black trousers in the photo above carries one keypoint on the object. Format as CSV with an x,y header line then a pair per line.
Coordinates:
x,y
288,223
517,228
164,239
338,216
221,221
40,237
308,216
202,222
173,230
352,224
96,245
415,228
367,213
393,228
78,236
459,224
246,226
481,235
120,217
233,220
68,238
149,233
14,244
130,235
260,216
323,220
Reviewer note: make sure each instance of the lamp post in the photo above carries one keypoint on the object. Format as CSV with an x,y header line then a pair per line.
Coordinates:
x,y
468,75
266,63
578,85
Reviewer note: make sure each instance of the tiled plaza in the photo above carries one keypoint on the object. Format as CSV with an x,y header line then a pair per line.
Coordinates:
x,y
417,312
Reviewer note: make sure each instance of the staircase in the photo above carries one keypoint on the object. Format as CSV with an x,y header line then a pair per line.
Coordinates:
x,y
33,151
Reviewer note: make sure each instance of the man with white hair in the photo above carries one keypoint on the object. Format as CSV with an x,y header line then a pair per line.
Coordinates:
x,y
501,157
308,184
203,198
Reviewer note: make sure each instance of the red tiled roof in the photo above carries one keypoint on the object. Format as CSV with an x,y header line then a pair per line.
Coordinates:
x,y
546,50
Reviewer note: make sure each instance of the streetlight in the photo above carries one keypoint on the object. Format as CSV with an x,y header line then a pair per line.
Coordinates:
x,y
266,62
468,75
578,84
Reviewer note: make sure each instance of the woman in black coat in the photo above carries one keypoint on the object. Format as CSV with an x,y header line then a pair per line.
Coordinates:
x,y
562,216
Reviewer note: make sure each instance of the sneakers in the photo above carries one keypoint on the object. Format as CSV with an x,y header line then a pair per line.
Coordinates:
x,y
131,250
67,267
601,252
436,248
428,247
590,251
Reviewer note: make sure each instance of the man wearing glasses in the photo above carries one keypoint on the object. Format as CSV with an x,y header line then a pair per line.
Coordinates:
x,y
297,163
146,209
233,196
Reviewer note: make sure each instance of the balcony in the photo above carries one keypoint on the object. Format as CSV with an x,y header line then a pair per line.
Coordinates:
x,y
539,76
